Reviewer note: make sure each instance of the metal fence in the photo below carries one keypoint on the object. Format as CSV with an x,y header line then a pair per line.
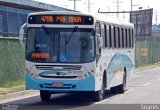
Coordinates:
x,y
12,59
147,52
11,21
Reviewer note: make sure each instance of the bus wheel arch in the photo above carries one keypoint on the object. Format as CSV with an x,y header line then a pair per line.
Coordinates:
x,y
122,87
99,95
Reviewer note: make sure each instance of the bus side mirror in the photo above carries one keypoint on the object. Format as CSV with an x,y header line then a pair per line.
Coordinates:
x,y
99,44
22,34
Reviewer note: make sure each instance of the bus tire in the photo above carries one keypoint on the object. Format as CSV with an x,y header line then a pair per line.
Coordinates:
x,y
122,87
99,95
45,95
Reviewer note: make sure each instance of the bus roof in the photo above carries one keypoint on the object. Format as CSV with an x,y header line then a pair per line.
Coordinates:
x,y
96,16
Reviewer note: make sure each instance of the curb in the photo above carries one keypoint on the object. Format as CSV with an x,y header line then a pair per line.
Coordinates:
x,y
14,95
146,68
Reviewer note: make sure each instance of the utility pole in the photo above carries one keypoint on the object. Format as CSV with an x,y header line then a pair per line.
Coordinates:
x,y
74,4
88,5
156,17
117,2
131,5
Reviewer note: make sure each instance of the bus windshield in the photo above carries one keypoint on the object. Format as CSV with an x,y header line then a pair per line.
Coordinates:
x,y
60,45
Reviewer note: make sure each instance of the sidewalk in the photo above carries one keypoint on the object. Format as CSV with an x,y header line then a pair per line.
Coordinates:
x,y
7,93
146,67
4,91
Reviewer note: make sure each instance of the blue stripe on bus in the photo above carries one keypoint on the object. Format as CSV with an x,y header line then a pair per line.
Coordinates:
x,y
87,84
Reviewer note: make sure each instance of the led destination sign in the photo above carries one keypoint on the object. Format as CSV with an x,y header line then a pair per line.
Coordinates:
x,y
60,19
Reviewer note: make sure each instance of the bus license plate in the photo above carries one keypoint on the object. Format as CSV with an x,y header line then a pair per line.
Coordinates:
x,y
57,84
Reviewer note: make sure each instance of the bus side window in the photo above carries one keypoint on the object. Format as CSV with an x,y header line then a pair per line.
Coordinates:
x,y
130,40
127,38
98,28
122,33
112,36
116,38
119,35
103,33
107,37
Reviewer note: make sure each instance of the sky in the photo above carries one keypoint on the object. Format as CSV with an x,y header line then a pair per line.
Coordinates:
x,y
110,5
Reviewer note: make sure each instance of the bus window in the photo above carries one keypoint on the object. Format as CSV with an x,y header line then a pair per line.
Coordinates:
x,y
107,37
114,36
110,36
98,28
130,40
122,32
126,36
103,34
118,35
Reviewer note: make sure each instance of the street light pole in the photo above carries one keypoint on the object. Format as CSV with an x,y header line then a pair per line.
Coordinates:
x,y
74,5
131,5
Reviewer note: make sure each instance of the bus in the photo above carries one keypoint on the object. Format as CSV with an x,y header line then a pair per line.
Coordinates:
x,y
69,52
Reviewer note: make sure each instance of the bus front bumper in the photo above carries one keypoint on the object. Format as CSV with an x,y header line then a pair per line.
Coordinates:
x,y
87,84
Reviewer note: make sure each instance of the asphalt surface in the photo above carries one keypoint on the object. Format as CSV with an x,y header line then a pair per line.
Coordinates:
x,y
143,93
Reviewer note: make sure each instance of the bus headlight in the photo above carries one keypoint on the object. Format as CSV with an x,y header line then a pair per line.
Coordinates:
x,y
36,76
33,75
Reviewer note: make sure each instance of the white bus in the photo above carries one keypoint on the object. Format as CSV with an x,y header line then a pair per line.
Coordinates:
x,y
77,52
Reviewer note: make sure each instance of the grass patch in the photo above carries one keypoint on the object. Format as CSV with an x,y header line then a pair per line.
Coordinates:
x,y
13,84
2,93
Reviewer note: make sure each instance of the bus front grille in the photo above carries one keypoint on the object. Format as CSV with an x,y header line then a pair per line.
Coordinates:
x,y
64,77
50,86
64,67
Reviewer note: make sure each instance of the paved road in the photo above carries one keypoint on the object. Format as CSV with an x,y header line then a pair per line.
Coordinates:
x,y
143,88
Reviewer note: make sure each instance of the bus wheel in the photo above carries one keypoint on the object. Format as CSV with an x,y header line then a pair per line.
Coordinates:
x,y
45,95
99,95
122,87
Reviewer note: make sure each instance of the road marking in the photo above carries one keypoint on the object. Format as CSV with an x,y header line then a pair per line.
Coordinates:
x,y
129,90
147,84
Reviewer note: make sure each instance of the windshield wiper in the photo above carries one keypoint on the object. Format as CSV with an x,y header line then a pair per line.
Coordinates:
x,y
45,29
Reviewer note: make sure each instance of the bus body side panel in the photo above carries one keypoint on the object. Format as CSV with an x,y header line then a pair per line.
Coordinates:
x,y
116,68
114,61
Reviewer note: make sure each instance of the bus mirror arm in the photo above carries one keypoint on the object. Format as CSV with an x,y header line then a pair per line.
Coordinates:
x,y
21,34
